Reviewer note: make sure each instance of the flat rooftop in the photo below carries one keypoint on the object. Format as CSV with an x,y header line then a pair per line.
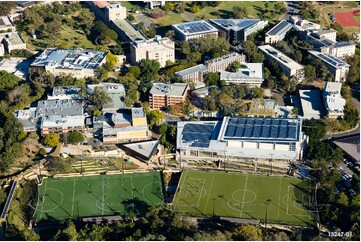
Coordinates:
x,y
71,91
59,107
253,70
158,40
16,65
280,29
145,149
234,24
164,89
280,57
13,37
329,59
109,87
137,112
311,103
5,22
333,87
351,145
129,30
63,121
195,27
75,58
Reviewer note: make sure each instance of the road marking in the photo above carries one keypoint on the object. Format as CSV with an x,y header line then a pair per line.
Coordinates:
x,y
72,204
244,195
209,193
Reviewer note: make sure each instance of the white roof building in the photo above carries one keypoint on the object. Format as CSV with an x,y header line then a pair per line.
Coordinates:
x,y
251,75
278,32
194,30
333,100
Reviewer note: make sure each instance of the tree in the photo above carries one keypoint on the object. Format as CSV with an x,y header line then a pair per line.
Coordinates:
x,y
42,152
86,18
337,155
130,17
310,72
187,107
111,61
155,116
135,71
257,92
211,79
149,69
8,81
195,9
75,138
169,6
315,129
53,30
69,233
99,97
234,67
118,50
248,232
306,14
5,8
52,140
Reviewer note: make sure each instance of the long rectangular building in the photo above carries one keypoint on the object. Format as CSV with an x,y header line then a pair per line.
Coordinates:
x,y
287,65
278,32
337,67
239,138
195,74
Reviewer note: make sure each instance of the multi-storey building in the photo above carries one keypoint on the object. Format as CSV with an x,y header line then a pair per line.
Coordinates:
x,y
333,100
195,74
337,67
115,91
251,75
301,24
158,48
236,139
286,64
325,42
125,127
259,107
236,31
278,32
152,4
167,95
77,62
115,12
194,30
11,41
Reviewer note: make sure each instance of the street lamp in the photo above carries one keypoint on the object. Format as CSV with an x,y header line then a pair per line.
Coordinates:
x,y
267,203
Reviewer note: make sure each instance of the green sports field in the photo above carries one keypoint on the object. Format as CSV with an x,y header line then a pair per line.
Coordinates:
x,y
280,199
65,198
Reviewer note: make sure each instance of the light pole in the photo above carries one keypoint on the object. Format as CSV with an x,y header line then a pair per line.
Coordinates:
x,y
266,203
270,161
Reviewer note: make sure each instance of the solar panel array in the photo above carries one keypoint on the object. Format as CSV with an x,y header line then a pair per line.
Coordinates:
x,y
280,28
198,135
195,27
332,60
343,44
266,128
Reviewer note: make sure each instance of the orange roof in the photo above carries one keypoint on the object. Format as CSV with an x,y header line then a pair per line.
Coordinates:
x,y
101,4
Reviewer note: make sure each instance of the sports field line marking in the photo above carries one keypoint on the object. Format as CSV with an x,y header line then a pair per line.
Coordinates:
x,y
200,192
209,193
103,198
279,201
293,204
181,185
72,204
43,198
244,195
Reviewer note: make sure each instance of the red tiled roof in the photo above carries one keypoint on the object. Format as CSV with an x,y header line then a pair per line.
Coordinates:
x,y
101,4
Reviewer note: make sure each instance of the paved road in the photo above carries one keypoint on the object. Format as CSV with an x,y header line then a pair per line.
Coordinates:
x,y
143,18
190,16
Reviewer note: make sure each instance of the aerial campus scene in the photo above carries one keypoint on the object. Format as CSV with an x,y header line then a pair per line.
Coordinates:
x,y
180,120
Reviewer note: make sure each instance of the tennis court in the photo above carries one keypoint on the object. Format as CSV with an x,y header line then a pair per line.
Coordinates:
x,y
103,195
281,200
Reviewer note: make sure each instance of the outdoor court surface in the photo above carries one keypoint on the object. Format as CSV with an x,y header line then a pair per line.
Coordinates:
x,y
64,198
206,193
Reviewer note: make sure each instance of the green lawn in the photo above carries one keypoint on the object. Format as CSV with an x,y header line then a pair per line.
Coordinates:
x,y
170,18
205,193
66,198
255,9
